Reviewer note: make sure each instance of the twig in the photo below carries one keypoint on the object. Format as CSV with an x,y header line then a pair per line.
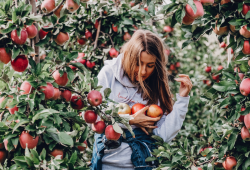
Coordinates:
x,y
168,15
50,13
97,34
109,38
209,161
72,91
1,116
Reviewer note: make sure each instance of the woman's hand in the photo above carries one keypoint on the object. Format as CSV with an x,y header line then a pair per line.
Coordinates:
x,y
143,121
186,85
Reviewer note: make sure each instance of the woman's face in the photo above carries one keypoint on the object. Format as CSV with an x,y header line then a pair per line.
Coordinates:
x,y
147,66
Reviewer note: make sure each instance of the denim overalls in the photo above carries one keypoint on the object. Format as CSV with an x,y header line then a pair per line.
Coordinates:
x,y
140,151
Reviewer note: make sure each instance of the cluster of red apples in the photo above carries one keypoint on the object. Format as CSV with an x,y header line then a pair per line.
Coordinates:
x,y
80,59
216,78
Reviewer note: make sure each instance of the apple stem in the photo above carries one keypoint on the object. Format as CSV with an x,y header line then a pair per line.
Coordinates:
x,y
109,38
50,13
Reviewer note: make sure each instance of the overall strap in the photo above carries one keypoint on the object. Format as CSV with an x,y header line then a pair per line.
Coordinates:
x,y
141,147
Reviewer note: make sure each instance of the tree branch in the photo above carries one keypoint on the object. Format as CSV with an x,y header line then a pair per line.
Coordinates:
x,y
61,87
97,34
209,161
168,15
50,13
109,38
1,116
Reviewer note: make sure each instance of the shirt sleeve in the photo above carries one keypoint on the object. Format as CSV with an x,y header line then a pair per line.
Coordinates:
x,y
169,126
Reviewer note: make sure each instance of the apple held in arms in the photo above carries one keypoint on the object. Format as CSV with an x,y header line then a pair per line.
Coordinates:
x,y
154,111
123,108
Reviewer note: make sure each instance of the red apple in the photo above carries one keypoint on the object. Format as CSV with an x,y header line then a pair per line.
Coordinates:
x,y
73,67
81,148
25,87
57,94
94,98
245,9
241,118
55,152
90,64
66,94
105,12
146,9
221,31
61,38
113,53
3,156
136,107
222,2
172,67
4,56
177,64
5,141
42,33
132,3
167,29
96,24
19,40
244,32
81,41
90,116
72,6
114,28
32,31
154,111
58,11
111,134
220,67
187,20
207,2
76,102
60,80
48,91
12,110
123,108
48,6
126,36
80,58
245,87
229,163
247,120
208,69
99,127
20,63
26,139
199,168
245,135
199,13
241,75
167,52
223,45
246,47
88,35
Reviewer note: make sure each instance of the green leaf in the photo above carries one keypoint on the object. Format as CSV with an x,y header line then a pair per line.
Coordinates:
x,y
223,149
43,113
232,139
192,5
151,8
21,122
14,18
65,139
179,15
43,154
15,53
107,92
73,158
150,159
84,135
31,104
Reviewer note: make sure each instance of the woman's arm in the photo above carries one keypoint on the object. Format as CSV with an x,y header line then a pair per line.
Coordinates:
x,y
169,126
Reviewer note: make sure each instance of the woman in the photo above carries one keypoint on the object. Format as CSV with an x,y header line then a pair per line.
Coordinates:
x,y
138,75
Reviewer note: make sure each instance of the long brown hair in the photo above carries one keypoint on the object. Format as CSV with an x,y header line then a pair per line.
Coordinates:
x,y
155,87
